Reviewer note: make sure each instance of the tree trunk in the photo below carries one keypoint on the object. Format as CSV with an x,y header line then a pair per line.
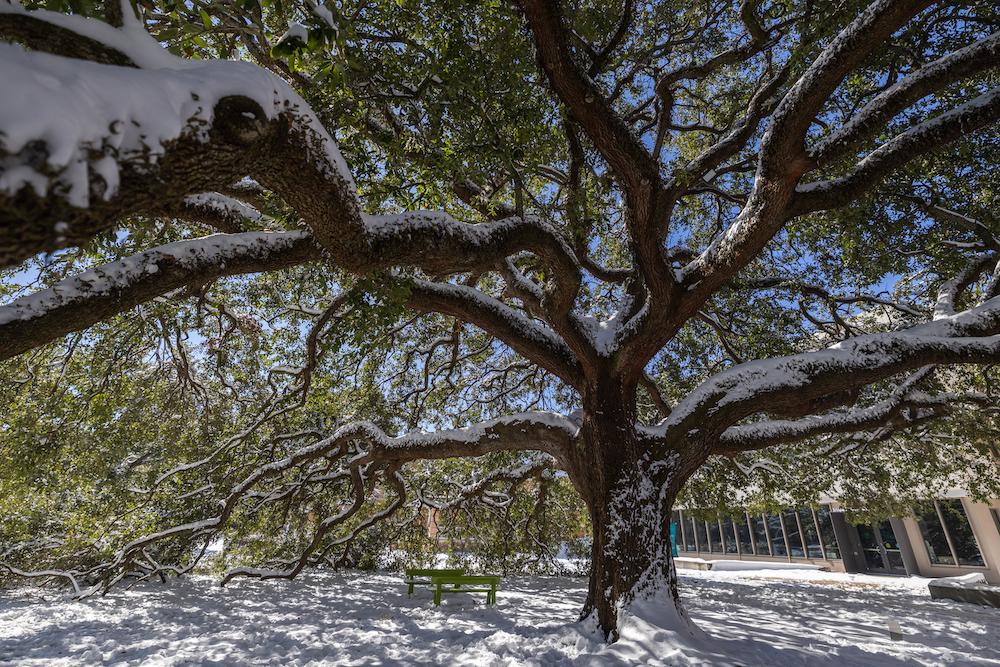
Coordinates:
x,y
632,570
630,497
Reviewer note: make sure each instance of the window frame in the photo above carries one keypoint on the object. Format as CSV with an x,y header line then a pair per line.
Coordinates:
x,y
711,542
758,551
948,538
771,537
824,517
797,533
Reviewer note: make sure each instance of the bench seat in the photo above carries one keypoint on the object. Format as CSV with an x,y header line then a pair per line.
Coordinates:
x,y
466,584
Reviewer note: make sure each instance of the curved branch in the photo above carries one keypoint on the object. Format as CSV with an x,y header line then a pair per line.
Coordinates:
x,y
540,345
224,213
872,118
782,149
176,132
783,158
629,160
902,410
805,383
901,149
80,301
360,446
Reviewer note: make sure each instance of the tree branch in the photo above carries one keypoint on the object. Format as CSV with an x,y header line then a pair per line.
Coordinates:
x,y
932,77
104,291
903,409
901,149
805,383
629,160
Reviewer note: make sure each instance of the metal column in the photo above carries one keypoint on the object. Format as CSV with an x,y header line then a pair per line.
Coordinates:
x,y
905,548
849,543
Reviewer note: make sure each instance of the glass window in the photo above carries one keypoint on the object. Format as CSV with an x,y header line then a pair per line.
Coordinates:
x,y
760,536
702,535
933,534
891,545
729,531
777,535
689,534
681,531
714,537
792,532
956,522
809,534
996,517
743,534
830,544
870,541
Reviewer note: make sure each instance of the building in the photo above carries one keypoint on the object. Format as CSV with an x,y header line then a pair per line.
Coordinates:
x,y
944,537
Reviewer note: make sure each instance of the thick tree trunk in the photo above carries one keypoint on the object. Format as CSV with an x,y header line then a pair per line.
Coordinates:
x,y
632,570
630,497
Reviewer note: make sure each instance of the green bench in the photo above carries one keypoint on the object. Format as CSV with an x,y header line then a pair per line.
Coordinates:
x,y
423,576
461,584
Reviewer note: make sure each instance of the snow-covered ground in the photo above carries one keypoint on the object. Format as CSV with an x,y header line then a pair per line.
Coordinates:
x,y
774,618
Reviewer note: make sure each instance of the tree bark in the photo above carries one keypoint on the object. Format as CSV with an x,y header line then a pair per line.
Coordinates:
x,y
630,494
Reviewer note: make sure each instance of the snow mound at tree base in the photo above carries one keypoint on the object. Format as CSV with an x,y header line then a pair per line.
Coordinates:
x,y
653,633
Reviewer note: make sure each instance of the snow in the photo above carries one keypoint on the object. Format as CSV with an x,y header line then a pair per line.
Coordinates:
x,y
963,335
224,205
973,581
903,90
468,434
774,618
393,224
747,565
107,278
514,318
603,333
962,113
323,13
16,177
80,108
295,31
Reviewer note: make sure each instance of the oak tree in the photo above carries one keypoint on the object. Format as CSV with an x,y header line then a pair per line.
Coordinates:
x,y
691,232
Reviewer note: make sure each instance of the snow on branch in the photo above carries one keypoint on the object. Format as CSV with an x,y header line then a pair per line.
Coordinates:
x,y
532,340
811,382
926,136
103,291
223,212
85,143
951,289
438,243
906,407
872,118
80,109
529,431
845,53
482,491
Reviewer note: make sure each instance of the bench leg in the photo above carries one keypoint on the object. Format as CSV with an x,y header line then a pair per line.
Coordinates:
x,y
409,592
437,596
